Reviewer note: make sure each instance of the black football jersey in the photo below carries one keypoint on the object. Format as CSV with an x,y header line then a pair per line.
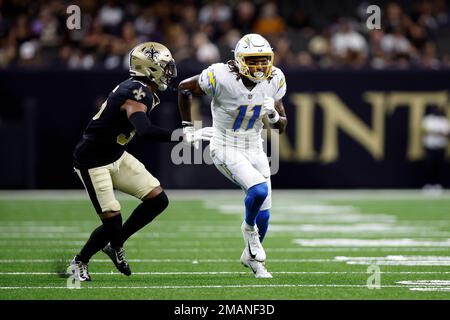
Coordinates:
x,y
110,130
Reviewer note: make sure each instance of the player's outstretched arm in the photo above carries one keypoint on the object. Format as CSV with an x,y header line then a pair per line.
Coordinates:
x,y
282,122
136,113
186,89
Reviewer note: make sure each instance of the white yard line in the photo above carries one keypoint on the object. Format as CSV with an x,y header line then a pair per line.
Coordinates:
x,y
349,242
169,273
224,250
194,261
294,195
209,286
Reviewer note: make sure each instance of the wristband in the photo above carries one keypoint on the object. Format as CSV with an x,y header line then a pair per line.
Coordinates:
x,y
273,118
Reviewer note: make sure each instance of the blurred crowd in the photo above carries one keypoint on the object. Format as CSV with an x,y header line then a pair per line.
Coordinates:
x,y
413,35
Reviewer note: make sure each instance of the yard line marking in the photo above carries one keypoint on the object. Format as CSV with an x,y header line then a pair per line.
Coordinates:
x,y
200,194
427,285
229,272
223,250
339,242
195,261
208,286
426,282
397,260
426,289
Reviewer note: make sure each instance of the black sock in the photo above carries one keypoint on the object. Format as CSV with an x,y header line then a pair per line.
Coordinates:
x,y
109,231
97,240
144,214
113,227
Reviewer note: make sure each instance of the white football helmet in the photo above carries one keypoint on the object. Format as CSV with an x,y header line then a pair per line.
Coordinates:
x,y
253,45
154,61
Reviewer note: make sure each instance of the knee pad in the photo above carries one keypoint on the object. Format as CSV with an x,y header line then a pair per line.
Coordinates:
x,y
158,203
258,192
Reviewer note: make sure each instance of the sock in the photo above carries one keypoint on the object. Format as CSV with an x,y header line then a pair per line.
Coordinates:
x,y
97,240
143,214
262,221
113,227
253,202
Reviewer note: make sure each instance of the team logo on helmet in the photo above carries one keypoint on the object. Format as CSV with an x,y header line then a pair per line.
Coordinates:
x,y
153,61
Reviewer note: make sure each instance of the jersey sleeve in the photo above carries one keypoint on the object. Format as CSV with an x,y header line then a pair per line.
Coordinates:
x,y
281,85
208,80
137,91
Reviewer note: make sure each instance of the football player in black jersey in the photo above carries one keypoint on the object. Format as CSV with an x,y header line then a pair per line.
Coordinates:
x,y
102,163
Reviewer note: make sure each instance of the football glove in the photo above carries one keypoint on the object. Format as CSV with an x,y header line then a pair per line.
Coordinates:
x,y
269,108
193,137
205,133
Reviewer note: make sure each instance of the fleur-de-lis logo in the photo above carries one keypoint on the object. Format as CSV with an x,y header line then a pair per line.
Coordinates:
x,y
138,94
152,53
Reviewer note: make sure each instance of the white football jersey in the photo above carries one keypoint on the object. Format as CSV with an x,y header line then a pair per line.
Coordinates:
x,y
237,111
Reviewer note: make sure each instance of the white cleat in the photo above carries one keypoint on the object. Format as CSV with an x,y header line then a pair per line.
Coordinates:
x,y
251,239
257,267
79,270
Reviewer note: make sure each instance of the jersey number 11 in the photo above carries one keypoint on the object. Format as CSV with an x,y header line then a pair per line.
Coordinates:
x,y
242,110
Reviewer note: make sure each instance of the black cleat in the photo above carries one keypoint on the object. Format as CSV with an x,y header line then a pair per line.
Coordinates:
x,y
118,258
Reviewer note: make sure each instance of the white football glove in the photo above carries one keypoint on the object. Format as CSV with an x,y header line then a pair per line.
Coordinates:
x,y
205,133
188,136
269,108
192,136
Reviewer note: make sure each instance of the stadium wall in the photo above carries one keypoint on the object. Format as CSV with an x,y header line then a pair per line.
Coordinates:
x,y
347,129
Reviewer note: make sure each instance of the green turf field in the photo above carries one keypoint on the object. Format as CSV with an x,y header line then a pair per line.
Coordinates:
x,y
319,246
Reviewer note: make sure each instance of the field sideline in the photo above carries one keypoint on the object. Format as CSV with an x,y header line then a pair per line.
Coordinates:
x,y
320,245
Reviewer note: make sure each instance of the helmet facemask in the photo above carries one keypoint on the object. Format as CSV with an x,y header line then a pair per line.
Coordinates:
x,y
162,76
256,67
249,54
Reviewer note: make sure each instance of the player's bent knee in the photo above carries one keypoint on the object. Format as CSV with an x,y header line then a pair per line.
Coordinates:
x,y
112,206
153,193
108,214
158,203
259,192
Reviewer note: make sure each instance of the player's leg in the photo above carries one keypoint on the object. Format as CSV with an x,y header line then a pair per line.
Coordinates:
x,y
98,184
260,162
235,166
134,179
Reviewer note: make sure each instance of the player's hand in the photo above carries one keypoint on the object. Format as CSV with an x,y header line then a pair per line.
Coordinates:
x,y
205,133
269,108
188,135
193,137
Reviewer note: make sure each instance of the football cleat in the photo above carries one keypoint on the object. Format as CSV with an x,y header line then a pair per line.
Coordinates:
x,y
117,255
257,267
79,270
251,239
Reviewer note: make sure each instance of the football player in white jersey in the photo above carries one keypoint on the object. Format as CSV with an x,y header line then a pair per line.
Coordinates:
x,y
243,91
